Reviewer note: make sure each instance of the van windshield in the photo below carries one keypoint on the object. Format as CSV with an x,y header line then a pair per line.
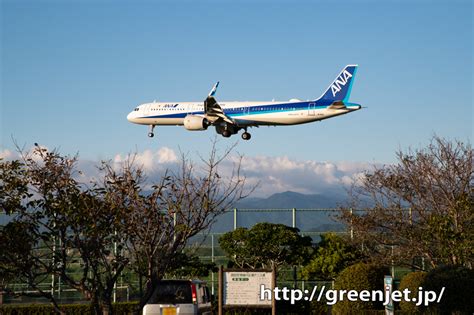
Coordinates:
x,y
172,292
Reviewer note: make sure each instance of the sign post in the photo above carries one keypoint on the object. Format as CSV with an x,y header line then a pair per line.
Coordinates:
x,y
220,291
388,286
243,288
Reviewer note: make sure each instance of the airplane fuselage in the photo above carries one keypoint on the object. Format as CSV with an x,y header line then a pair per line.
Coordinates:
x,y
244,113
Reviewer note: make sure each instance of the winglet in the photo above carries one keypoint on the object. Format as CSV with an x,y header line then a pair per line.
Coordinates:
x,y
214,89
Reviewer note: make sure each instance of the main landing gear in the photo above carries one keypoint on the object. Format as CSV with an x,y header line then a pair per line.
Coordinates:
x,y
227,130
246,136
227,133
150,131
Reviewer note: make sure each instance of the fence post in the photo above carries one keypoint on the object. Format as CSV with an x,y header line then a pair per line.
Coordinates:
x,y
220,291
212,259
393,266
293,217
174,226
53,277
274,284
352,229
235,218
115,255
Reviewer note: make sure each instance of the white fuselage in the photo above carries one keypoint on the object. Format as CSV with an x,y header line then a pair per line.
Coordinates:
x,y
243,113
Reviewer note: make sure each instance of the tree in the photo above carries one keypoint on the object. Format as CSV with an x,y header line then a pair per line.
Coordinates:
x,y
182,204
20,260
187,266
92,223
266,245
420,207
332,255
64,221
72,221
13,186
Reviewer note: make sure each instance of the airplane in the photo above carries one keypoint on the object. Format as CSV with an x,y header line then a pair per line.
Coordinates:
x,y
230,117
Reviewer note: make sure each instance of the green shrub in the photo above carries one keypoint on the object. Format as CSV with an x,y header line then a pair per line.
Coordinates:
x,y
124,308
360,276
45,309
319,307
333,254
299,307
412,282
459,289
247,311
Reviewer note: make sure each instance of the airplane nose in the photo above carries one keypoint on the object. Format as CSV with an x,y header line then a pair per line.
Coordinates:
x,y
130,116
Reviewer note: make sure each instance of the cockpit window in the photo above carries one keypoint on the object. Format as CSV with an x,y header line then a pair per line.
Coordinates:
x,y
137,109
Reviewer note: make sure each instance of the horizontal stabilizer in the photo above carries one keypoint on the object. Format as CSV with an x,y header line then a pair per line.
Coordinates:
x,y
337,105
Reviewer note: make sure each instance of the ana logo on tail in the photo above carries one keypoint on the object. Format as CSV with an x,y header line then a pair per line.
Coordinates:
x,y
340,81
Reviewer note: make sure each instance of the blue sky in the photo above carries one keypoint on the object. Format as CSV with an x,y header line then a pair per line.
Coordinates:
x,y
72,70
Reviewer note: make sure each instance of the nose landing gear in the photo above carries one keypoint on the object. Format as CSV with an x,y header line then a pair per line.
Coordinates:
x,y
246,136
150,131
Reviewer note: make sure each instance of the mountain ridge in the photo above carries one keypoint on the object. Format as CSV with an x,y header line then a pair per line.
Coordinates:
x,y
291,199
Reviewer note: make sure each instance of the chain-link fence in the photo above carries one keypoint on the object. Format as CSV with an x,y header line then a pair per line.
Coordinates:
x,y
310,222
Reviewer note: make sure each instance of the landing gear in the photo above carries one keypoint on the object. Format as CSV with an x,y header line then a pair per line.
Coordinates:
x,y
246,136
227,130
150,131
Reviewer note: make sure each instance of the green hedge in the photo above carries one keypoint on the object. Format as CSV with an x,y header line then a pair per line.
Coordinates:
x,y
124,308
459,289
282,307
411,281
359,277
457,297
247,311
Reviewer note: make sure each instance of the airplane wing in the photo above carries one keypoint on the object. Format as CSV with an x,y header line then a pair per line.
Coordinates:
x,y
212,108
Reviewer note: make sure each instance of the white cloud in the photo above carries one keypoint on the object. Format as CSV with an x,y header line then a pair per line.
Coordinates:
x,y
166,155
6,154
278,174
149,160
31,153
273,174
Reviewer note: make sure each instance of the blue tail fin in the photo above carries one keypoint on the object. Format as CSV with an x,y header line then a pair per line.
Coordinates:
x,y
340,88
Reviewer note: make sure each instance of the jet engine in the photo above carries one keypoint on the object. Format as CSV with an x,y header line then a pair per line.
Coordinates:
x,y
193,122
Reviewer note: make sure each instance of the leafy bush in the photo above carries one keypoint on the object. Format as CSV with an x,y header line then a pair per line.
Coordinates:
x,y
360,276
45,309
247,311
285,307
124,308
266,244
412,282
333,254
459,289
319,307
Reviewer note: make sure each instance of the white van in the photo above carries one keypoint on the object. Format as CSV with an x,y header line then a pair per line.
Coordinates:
x,y
179,297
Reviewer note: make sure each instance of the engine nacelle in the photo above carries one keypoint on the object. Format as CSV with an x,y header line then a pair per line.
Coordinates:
x,y
193,122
